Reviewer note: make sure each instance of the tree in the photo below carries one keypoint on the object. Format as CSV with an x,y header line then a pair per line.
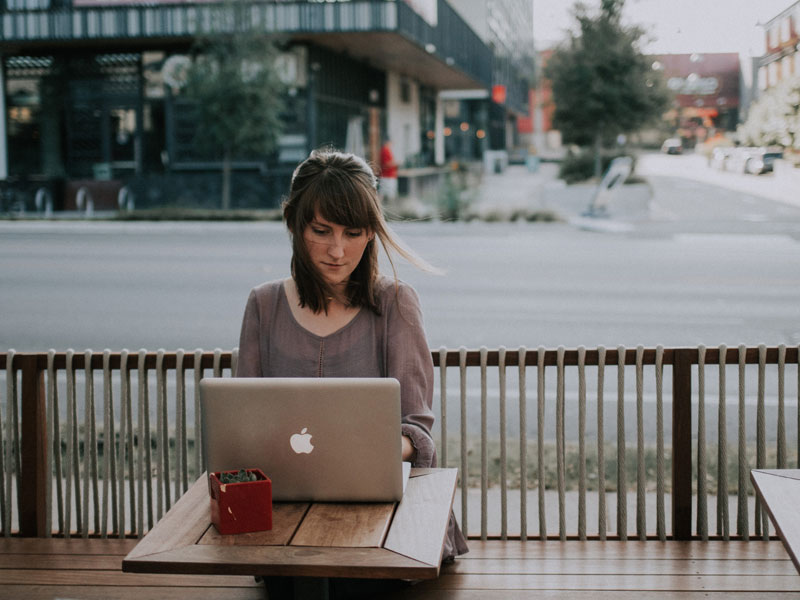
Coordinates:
x,y
602,84
236,91
774,119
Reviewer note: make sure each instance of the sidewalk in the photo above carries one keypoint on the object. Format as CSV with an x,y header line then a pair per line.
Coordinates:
x,y
517,189
500,195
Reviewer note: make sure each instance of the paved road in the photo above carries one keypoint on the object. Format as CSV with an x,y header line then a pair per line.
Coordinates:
x,y
690,263
694,263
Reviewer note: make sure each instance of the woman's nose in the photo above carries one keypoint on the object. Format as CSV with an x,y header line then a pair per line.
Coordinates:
x,y
336,248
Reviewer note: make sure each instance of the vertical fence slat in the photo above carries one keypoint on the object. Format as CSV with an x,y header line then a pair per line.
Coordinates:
x,y
90,488
622,479
217,364
126,449
523,446
72,475
54,456
560,440
761,518
198,423
702,497
602,520
108,442
723,519
742,521
661,527
181,464
641,516
484,446
503,458
540,466
162,437
140,445
6,502
682,444
582,442
31,446
443,404
781,441
462,366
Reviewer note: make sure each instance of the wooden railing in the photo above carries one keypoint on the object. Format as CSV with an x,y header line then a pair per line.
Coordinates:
x,y
125,486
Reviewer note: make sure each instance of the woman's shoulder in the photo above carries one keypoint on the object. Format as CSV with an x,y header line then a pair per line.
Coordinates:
x,y
268,289
395,290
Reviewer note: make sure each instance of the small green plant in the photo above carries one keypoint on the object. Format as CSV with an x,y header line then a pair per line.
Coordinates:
x,y
238,477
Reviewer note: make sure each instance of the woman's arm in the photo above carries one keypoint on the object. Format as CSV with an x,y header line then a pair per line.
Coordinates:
x,y
409,361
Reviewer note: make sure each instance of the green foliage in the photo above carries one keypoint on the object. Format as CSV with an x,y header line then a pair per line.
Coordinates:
x,y
236,94
238,477
774,119
602,84
453,197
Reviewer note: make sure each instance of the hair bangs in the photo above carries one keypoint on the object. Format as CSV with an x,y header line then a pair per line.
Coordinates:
x,y
338,200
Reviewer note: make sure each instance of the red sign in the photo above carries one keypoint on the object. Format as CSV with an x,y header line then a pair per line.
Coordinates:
x,y
499,94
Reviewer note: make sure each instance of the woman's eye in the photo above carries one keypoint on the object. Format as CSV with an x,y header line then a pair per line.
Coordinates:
x,y
354,234
319,231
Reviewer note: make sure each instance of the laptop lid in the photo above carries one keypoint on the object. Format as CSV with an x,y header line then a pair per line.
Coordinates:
x,y
317,439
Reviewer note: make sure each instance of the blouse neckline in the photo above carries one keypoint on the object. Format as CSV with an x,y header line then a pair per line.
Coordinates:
x,y
344,327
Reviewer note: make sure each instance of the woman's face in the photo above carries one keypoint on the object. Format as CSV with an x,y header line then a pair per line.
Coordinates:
x,y
335,250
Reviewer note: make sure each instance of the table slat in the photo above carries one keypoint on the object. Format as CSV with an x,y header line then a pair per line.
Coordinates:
x,y
286,518
335,524
184,524
285,561
780,491
420,523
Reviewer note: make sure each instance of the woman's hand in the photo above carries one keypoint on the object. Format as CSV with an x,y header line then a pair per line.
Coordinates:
x,y
408,449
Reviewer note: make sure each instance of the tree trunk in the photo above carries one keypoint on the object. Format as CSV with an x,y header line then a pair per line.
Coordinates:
x,y
226,180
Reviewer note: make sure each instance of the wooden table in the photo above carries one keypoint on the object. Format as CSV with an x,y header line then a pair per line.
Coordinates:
x,y
779,489
383,540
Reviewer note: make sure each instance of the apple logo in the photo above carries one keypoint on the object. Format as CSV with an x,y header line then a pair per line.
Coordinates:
x,y
301,442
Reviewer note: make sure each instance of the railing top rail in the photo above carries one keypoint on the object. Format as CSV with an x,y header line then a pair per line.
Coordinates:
x,y
472,357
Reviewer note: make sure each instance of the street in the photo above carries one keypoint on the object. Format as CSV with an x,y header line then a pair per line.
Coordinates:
x,y
703,265
692,267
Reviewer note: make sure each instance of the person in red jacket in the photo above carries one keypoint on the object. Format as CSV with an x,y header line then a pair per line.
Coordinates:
x,y
388,180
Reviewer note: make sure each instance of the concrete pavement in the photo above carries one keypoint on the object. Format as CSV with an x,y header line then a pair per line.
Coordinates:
x,y
518,189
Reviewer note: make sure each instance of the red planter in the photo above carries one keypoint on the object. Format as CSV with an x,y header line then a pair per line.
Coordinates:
x,y
241,507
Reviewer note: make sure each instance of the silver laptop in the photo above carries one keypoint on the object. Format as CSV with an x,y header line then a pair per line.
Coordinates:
x,y
317,439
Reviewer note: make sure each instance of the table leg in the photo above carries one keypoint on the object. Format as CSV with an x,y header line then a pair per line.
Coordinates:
x,y
316,588
297,588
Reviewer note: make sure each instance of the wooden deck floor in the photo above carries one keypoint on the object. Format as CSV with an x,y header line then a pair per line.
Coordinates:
x,y
90,569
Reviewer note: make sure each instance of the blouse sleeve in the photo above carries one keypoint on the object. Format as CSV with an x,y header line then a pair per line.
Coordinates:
x,y
409,361
249,363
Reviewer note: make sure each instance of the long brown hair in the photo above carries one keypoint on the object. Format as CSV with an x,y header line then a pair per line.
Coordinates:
x,y
342,189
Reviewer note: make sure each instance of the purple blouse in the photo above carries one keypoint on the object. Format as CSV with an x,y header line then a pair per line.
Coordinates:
x,y
390,344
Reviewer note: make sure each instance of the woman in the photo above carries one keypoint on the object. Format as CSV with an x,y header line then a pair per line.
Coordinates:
x,y
336,316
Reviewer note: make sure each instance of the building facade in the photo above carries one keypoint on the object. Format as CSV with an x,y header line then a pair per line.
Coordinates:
x,y
707,91
494,119
782,57
91,92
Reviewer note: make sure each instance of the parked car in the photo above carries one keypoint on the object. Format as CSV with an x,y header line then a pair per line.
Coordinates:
x,y
762,160
753,160
672,146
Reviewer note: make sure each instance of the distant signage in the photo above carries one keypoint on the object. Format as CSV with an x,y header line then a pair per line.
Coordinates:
x,y
693,85
427,9
499,94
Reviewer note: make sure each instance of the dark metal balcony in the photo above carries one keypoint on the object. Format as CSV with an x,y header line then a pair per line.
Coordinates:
x,y
388,34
